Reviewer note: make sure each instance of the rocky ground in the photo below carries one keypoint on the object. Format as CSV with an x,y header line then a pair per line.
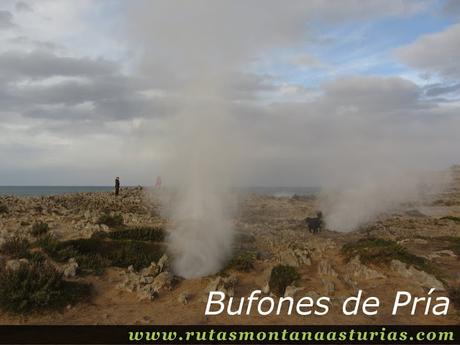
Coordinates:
x,y
414,249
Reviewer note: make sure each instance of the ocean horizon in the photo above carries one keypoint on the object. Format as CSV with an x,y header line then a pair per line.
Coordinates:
x,y
35,191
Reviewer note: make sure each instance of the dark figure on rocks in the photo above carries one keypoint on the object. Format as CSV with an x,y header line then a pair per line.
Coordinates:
x,y
315,224
117,186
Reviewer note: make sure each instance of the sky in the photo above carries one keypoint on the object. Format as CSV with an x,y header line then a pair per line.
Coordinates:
x,y
316,90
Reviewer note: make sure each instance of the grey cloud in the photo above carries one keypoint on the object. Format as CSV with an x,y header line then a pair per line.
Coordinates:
x,y
441,89
373,94
35,44
6,20
41,64
22,6
436,53
452,8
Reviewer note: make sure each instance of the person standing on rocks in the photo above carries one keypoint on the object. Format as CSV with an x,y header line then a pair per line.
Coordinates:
x,y
117,186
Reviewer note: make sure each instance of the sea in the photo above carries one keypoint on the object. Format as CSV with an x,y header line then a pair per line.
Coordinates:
x,y
57,190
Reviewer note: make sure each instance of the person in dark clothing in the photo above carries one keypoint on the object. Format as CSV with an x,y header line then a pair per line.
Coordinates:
x,y
117,186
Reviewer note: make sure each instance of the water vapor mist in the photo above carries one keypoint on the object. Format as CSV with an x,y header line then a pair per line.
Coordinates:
x,y
363,139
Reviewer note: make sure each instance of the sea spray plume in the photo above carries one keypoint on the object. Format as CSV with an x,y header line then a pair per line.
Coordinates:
x,y
200,168
196,51
354,204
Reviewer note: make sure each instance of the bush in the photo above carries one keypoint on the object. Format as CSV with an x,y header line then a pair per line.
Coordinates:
x,y
452,218
36,257
380,252
111,220
95,254
38,287
281,277
49,244
3,209
243,261
139,234
39,229
15,247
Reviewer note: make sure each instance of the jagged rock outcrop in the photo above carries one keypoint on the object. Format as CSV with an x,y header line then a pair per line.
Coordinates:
x,y
419,277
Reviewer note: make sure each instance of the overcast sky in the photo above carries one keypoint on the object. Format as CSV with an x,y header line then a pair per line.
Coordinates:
x,y
88,88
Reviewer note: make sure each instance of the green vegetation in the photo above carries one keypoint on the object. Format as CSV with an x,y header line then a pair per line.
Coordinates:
x,y
380,252
39,229
243,261
452,218
111,220
281,277
36,257
3,209
96,254
15,247
145,233
38,287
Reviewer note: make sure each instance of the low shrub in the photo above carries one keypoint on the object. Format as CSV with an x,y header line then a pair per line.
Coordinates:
x,y
381,252
111,220
38,287
243,261
452,218
3,208
138,234
36,257
39,229
15,247
96,254
281,277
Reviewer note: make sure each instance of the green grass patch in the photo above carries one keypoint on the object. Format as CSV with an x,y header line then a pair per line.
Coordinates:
x,y
96,254
15,247
380,252
38,287
39,229
281,277
111,220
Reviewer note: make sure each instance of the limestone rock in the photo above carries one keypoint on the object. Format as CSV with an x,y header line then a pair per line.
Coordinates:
x,y
15,264
420,277
292,290
70,269
329,286
183,298
325,269
356,270
226,285
163,281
